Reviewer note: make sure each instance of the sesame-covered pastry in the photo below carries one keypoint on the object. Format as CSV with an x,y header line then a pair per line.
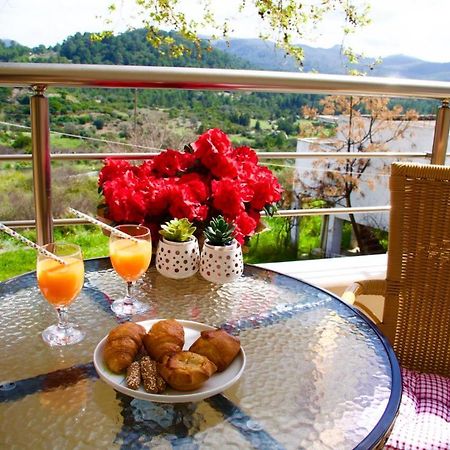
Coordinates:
x,y
153,383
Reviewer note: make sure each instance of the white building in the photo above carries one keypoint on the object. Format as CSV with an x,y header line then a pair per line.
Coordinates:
x,y
373,184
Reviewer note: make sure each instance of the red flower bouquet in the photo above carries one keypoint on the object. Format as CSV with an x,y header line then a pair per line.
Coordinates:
x,y
209,178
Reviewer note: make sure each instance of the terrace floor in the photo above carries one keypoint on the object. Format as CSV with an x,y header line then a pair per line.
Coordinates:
x,y
335,274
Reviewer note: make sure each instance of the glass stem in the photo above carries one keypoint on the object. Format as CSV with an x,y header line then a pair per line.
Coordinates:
x,y
128,300
63,317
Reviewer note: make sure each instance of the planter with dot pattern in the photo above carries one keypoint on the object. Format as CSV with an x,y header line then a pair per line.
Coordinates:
x,y
221,264
177,259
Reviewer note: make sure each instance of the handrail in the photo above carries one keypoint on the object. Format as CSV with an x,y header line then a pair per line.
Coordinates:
x,y
279,213
40,76
261,155
109,76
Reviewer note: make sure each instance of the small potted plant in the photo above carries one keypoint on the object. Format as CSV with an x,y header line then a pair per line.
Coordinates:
x,y
177,255
221,259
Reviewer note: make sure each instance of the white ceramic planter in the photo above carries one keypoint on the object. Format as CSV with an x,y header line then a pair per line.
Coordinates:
x,y
221,264
177,259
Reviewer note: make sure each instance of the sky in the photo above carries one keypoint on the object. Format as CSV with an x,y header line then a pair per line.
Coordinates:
x,y
415,28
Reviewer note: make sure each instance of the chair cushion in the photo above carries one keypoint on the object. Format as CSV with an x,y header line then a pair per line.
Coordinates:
x,y
423,422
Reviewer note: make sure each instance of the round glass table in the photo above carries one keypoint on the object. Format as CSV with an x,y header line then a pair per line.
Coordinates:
x,y
318,375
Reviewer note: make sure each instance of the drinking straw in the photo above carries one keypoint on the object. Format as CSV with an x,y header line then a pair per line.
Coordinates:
x,y
26,241
102,224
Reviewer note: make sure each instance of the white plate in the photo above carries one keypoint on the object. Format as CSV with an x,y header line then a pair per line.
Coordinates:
x,y
217,383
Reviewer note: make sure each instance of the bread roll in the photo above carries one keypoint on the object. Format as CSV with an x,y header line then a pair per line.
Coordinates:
x,y
218,346
166,337
122,345
186,371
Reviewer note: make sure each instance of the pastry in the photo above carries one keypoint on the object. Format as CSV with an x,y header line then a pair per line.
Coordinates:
x,y
166,337
122,346
153,382
186,371
218,346
134,375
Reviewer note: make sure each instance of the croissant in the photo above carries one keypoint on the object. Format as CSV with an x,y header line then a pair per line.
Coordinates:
x,y
218,346
122,345
166,337
186,371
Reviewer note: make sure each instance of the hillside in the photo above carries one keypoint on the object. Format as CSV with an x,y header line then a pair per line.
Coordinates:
x,y
115,113
266,56
131,48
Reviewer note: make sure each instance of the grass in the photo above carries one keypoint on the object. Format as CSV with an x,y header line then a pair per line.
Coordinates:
x,y
271,245
16,262
274,244
15,259
66,143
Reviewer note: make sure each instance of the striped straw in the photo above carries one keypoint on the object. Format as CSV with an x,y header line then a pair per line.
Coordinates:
x,y
26,241
102,224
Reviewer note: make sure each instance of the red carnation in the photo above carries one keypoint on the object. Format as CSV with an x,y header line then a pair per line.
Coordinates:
x,y
229,196
266,189
212,141
198,185
172,162
245,226
126,203
213,179
112,169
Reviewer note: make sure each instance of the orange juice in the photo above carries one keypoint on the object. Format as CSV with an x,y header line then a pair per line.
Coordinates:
x,y
130,259
60,284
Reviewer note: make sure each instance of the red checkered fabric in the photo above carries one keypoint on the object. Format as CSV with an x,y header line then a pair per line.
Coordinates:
x,y
423,422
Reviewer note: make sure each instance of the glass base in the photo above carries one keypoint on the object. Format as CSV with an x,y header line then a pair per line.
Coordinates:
x,y
126,308
57,336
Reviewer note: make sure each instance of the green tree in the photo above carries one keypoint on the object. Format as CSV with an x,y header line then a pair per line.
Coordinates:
x,y
98,123
287,21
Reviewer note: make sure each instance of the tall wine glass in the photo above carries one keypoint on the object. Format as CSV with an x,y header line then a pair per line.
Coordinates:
x,y
60,284
130,259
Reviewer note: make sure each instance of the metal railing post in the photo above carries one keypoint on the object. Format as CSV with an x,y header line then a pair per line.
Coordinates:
x,y
441,131
40,134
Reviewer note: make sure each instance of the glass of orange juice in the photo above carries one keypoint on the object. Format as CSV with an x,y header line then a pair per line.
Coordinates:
x,y
60,284
130,259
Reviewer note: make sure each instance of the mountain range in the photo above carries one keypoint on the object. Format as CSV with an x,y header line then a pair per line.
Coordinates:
x,y
237,53
266,56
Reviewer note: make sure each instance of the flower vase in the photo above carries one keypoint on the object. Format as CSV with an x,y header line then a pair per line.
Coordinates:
x,y
177,260
221,264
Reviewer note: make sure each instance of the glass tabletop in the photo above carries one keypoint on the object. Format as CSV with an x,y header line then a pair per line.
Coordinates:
x,y
318,375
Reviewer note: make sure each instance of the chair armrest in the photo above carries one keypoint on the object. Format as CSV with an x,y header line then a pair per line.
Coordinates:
x,y
364,287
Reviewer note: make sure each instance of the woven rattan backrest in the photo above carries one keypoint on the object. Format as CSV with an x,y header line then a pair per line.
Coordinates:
x,y
417,311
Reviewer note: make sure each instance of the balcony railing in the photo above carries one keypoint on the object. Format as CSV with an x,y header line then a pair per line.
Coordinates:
x,y
40,76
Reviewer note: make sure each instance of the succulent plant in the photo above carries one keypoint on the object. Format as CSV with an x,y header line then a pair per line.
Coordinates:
x,y
177,230
219,232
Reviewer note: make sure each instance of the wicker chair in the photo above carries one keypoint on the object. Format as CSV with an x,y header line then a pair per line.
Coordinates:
x,y
416,315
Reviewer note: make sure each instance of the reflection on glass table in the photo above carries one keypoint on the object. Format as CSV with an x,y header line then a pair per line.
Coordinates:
x,y
317,374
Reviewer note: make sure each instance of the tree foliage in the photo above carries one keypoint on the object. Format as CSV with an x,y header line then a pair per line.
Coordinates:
x,y
285,21
364,125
